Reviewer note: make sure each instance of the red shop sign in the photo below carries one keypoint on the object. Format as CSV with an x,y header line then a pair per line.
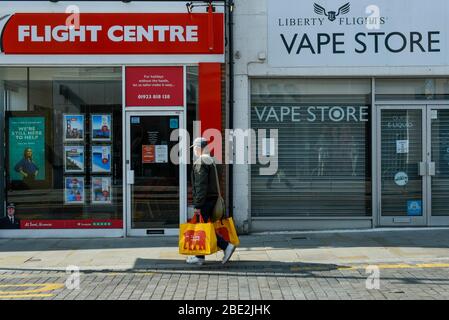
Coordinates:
x,y
71,224
154,86
115,33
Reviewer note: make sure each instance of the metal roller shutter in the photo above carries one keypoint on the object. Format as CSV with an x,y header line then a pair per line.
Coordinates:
x,y
440,155
324,158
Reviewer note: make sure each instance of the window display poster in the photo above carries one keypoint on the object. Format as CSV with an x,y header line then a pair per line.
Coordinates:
x,y
414,207
26,138
101,159
148,153
73,127
174,123
434,114
161,153
73,158
401,178
155,86
101,190
74,190
402,146
101,125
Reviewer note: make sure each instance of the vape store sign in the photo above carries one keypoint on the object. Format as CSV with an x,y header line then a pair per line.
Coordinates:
x,y
346,33
271,114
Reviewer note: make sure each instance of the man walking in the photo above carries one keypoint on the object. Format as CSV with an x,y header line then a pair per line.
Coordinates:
x,y
205,194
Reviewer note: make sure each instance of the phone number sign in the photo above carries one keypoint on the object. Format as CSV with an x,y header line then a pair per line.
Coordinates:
x,y
155,86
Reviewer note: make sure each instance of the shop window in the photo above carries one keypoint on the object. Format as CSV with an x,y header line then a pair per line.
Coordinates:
x,y
412,89
324,156
63,148
13,94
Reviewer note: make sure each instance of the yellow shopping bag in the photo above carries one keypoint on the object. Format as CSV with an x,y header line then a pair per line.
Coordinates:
x,y
226,229
197,238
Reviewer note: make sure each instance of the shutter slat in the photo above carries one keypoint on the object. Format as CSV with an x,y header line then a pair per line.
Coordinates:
x,y
341,187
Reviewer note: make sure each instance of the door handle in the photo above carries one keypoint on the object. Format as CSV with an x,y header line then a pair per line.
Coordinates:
x,y
130,177
422,168
431,168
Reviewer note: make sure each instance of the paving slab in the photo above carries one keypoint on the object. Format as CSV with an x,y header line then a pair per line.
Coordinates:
x,y
260,251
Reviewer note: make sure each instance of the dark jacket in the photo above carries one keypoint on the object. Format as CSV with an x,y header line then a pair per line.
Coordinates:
x,y
204,184
5,223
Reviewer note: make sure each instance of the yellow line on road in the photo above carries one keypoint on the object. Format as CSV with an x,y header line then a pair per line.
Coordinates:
x,y
41,290
434,265
43,275
23,276
26,296
399,266
380,266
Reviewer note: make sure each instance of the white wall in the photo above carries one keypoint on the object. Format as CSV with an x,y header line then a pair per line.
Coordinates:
x,y
251,56
249,38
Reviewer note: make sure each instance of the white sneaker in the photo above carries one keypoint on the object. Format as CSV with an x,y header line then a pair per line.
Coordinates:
x,y
195,260
228,253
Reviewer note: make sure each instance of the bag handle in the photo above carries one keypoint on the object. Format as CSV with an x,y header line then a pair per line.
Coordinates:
x,y
218,187
194,219
216,179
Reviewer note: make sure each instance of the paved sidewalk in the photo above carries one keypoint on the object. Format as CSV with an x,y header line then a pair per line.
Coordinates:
x,y
412,265
280,251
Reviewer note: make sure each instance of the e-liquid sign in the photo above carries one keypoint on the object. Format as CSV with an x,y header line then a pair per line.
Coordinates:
x,y
154,86
357,33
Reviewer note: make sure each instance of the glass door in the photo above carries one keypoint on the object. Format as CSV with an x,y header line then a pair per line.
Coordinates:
x,y
438,177
402,163
156,197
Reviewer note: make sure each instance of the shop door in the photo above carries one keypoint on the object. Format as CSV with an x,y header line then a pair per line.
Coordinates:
x,y
414,165
403,166
438,154
156,200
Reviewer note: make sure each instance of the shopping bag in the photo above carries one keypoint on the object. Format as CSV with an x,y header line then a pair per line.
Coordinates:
x,y
226,229
197,237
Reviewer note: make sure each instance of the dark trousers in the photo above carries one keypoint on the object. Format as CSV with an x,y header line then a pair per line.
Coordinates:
x,y
206,212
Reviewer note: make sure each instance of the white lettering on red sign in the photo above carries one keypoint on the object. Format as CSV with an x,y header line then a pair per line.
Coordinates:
x,y
115,33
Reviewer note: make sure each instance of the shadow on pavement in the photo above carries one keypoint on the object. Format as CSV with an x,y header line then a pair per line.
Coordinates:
x,y
240,266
